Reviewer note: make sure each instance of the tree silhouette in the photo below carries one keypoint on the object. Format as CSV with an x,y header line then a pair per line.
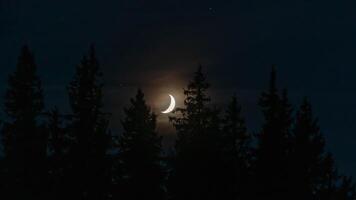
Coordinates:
x,y
307,153
48,155
273,144
236,152
193,119
24,138
89,177
140,153
197,164
312,170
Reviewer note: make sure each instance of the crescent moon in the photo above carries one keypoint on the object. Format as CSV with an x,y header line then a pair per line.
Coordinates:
x,y
171,105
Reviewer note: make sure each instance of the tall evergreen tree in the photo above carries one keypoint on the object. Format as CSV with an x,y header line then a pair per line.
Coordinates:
x,y
89,177
307,153
236,152
194,116
312,170
273,143
197,149
140,153
24,138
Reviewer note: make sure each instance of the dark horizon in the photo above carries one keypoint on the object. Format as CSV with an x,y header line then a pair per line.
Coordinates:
x,y
52,153
56,96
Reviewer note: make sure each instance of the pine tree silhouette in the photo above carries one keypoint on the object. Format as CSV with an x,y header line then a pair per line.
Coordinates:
x,y
24,138
198,162
89,177
307,152
273,144
312,170
69,156
236,152
140,153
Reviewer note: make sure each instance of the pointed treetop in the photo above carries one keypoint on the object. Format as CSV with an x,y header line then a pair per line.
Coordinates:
x,y
199,79
233,115
270,99
26,59
196,90
139,98
139,94
25,48
139,104
24,89
138,111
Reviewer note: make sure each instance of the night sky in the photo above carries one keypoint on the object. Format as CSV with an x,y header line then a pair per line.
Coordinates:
x,y
157,45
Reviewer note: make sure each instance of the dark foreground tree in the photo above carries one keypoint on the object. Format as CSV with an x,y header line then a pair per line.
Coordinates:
x,y
214,157
271,173
312,170
236,153
24,138
140,154
307,154
198,162
89,169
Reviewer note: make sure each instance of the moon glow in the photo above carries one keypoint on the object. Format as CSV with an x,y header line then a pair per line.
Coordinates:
x,y
171,106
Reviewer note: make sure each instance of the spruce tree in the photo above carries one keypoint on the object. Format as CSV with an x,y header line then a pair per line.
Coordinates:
x,y
312,170
273,143
90,170
192,119
24,138
236,152
307,153
197,164
140,153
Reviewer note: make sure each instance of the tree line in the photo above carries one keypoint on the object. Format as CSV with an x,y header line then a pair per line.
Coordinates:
x,y
52,155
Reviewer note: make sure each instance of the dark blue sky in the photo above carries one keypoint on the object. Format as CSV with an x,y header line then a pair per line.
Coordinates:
x,y
158,44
